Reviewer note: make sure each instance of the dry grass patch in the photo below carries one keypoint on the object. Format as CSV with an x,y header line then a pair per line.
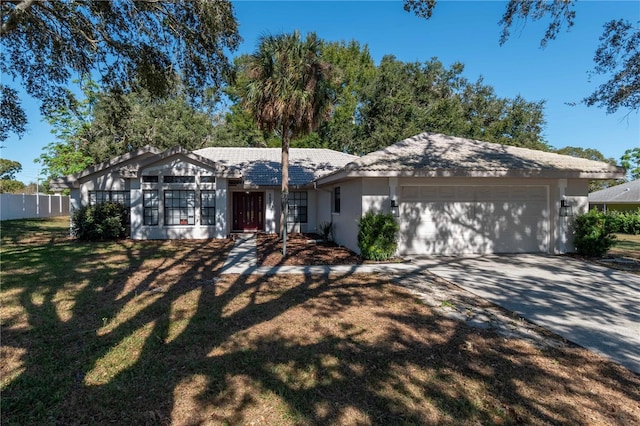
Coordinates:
x,y
155,336
624,255
626,246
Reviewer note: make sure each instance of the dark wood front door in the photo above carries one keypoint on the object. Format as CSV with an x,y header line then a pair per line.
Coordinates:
x,y
248,211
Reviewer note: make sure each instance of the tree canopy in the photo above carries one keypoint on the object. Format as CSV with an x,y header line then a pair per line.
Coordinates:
x,y
287,86
374,106
13,119
129,44
8,171
403,99
9,168
103,125
353,70
630,160
617,56
590,154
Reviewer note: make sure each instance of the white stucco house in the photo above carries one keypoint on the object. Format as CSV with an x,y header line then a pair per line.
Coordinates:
x,y
450,195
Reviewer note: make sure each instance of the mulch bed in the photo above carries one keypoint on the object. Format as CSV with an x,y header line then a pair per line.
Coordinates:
x,y
303,249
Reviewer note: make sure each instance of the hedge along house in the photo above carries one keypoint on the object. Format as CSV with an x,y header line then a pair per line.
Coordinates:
x,y
450,195
208,193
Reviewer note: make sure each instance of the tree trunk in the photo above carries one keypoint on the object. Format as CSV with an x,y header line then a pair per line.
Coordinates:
x,y
284,211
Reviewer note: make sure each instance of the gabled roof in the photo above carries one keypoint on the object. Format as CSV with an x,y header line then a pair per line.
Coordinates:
x,y
141,157
195,158
626,193
432,154
262,166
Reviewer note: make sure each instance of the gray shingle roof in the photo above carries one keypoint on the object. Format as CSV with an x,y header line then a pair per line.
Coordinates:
x,y
436,152
628,192
262,166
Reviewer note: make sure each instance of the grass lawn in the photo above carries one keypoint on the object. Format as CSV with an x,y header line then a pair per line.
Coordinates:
x,y
626,246
149,333
624,255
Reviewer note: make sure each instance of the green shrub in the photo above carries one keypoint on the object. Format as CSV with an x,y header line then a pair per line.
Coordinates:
x,y
624,222
616,220
326,230
104,221
593,233
377,236
632,223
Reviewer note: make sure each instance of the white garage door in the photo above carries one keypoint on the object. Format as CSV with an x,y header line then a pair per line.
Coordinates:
x,y
473,219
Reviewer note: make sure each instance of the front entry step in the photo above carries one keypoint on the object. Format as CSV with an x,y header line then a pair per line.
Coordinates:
x,y
234,235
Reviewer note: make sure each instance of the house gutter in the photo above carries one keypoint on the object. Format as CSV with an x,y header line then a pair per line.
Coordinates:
x,y
433,173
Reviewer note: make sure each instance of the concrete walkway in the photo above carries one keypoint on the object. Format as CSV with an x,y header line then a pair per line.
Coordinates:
x,y
243,256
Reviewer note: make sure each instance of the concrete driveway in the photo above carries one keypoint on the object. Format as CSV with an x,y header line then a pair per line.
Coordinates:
x,y
593,306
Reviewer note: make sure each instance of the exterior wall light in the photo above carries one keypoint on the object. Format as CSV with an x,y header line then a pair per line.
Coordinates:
x,y
395,209
566,209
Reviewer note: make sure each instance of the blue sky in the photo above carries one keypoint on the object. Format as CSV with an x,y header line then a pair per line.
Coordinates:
x,y
464,31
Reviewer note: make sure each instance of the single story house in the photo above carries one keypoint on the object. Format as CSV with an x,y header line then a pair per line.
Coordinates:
x,y
623,197
450,195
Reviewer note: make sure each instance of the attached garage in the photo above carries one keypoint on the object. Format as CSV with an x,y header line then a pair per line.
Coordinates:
x,y
466,219
457,196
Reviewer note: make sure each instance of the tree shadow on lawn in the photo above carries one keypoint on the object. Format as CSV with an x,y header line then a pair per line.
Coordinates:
x,y
148,333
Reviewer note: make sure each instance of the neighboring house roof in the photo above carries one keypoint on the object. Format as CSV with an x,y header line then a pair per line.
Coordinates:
x,y
262,166
626,193
431,154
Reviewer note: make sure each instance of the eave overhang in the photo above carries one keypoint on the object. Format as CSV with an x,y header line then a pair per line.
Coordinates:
x,y
470,173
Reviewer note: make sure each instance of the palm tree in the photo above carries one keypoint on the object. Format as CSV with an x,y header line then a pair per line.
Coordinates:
x,y
287,90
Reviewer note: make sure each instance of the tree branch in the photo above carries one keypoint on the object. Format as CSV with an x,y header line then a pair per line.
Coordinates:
x,y
14,17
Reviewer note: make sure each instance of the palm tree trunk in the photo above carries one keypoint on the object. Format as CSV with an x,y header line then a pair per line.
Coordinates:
x,y
284,213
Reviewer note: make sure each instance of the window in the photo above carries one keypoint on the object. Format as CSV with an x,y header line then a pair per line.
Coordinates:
x,y
122,197
179,207
297,207
150,207
150,179
208,207
207,179
336,199
179,179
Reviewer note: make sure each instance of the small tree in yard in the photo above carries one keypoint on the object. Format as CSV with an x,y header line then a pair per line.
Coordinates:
x,y
593,234
377,236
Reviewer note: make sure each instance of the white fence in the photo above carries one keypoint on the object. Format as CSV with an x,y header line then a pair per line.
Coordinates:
x,y
27,206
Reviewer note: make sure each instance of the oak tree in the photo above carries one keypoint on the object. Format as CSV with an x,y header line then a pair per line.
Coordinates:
x,y
617,56
126,45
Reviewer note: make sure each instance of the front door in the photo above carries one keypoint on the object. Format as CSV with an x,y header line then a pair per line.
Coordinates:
x,y
248,211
